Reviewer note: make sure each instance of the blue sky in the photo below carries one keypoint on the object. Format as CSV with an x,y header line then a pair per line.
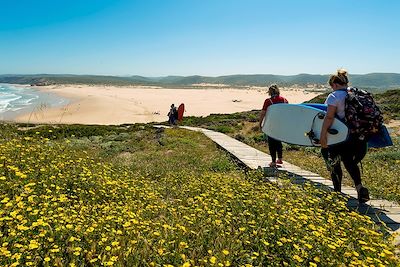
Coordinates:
x,y
198,37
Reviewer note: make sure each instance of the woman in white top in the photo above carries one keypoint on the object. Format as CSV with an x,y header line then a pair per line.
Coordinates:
x,y
350,152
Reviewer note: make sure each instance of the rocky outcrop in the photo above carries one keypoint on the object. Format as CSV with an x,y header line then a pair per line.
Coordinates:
x,y
41,82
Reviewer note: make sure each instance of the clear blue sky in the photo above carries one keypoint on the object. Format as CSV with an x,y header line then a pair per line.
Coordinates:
x,y
204,37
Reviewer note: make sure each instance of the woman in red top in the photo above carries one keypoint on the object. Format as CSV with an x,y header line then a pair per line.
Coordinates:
x,y
275,146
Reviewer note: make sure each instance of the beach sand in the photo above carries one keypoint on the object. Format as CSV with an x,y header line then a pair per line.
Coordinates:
x,y
112,105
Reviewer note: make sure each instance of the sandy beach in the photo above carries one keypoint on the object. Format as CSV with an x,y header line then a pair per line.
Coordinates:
x,y
111,105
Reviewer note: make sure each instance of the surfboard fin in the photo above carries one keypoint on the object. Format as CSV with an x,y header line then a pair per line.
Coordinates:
x,y
314,140
333,131
310,134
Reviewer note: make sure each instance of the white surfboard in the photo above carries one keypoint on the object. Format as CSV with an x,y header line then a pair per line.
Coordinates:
x,y
301,125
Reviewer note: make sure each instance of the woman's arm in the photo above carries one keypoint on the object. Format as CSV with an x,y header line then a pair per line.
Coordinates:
x,y
262,115
328,120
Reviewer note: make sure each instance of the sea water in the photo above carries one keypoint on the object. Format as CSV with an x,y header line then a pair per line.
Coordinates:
x,y
16,100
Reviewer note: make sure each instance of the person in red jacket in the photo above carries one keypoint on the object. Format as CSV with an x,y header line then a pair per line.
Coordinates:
x,y
274,146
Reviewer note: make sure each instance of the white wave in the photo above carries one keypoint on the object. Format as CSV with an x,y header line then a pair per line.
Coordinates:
x,y
25,101
14,99
6,101
9,97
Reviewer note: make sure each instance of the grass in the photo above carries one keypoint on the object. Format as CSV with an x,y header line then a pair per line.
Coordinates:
x,y
389,102
137,196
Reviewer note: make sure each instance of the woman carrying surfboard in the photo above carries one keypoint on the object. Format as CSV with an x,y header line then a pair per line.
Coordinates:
x,y
350,152
274,146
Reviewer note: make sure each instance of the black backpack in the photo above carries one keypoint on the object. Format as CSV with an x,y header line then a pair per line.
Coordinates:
x,y
363,117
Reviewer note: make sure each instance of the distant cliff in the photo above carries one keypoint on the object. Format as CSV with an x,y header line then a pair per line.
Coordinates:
x,y
371,80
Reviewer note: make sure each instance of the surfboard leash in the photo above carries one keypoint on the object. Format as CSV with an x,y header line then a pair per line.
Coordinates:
x,y
311,134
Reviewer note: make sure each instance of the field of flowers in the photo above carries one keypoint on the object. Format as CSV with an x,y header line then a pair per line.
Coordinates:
x,y
146,197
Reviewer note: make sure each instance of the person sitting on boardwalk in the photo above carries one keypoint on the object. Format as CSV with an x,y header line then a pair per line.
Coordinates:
x,y
350,152
275,146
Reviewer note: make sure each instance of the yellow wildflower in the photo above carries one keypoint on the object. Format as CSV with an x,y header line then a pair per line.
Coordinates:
x,y
33,244
183,245
331,246
298,258
213,259
387,252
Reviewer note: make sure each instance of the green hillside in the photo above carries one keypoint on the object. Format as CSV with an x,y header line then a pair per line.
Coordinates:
x,y
373,81
389,80
389,102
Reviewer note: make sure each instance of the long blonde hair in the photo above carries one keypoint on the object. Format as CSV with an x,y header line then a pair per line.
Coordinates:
x,y
339,77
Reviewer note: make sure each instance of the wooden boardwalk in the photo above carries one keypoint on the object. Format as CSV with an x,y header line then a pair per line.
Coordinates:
x,y
380,211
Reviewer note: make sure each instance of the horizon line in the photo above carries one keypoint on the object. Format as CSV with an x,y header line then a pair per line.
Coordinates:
x,y
192,75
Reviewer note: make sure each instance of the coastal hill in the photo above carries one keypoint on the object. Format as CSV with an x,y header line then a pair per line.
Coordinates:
x,y
382,81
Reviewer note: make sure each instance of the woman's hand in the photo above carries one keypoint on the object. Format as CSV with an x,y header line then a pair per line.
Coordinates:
x,y
323,141
328,120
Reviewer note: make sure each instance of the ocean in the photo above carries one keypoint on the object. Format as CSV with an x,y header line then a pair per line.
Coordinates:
x,y
16,100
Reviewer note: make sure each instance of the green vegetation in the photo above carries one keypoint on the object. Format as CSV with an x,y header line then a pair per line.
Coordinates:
x,y
389,103
134,195
320,99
